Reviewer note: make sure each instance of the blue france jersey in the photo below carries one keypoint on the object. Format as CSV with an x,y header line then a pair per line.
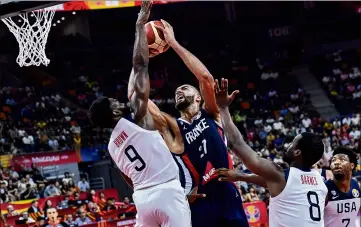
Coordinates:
x,y
204,150
342,208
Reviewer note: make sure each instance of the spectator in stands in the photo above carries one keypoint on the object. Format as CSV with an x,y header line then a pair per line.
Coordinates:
x,y
102,198
306,122
64,203
83,219
51,190
92,196
243,194
39,179
346,121
83,185
77,202
252,195
355,119
70,220
355,133
266,198
4,196
109,205
29,193
58,186
67,178
22,185
127,202
26,218
92,207
11,211
48,205
40,222
29,180
12,173
34,207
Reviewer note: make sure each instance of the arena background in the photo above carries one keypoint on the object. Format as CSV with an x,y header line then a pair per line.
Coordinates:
x,y
297,65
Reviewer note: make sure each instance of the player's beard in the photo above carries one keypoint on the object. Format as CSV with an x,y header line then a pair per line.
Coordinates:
x,y
188,100
339,176
126,111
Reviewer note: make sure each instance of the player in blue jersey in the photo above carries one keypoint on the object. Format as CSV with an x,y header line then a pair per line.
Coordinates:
x,y
199,146
343,192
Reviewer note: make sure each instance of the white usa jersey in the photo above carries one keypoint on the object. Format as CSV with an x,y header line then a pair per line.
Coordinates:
x,y
302,201
342,208
142,155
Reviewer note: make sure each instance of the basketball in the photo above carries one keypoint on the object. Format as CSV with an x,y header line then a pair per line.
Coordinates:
x,y
156,37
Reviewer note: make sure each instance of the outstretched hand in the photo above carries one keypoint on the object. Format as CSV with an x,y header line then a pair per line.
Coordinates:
x,y
227,174
222,97
193,195
144,13
168,32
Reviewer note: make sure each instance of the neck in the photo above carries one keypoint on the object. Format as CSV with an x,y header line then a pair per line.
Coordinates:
x,y
190,112
344,184
299,166
53,221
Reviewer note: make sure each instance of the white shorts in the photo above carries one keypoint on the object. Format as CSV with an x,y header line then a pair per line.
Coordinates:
x,y
164,205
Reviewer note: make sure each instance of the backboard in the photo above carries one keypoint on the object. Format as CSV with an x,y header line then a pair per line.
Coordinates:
x,y
9,8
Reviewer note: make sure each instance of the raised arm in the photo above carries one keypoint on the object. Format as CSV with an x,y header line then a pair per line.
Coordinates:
x,y
139,77
205,78
259,166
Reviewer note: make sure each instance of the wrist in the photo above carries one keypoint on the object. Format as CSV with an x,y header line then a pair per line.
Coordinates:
x,y
223,108
174,44
139,24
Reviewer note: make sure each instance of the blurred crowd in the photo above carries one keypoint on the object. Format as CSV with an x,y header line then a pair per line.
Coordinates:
x,y
35,120
339,72
28,183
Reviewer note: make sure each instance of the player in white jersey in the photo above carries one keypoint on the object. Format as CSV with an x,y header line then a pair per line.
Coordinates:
x,y
343,199
138,149
298,194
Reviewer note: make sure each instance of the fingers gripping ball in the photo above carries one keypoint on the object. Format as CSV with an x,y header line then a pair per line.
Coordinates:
x,y
155,37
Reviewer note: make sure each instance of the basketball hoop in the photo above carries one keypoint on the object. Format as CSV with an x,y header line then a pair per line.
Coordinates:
x,y
31,31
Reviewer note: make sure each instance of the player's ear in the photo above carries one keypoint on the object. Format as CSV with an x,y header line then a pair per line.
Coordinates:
x,y
198,98
297,152
352,166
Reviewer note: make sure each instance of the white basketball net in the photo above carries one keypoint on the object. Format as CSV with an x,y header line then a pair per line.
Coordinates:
x,y
31,31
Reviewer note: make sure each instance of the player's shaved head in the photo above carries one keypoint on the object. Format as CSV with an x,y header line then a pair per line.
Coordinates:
x,y
311,147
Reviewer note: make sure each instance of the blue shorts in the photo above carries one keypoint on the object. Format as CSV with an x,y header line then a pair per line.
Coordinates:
x,y
222,207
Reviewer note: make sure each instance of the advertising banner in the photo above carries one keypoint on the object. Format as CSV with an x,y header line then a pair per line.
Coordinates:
x,y
45,159
95,5
256,213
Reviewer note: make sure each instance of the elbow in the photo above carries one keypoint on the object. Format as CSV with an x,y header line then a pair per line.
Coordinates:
x,y
140,69
206,77
140,64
